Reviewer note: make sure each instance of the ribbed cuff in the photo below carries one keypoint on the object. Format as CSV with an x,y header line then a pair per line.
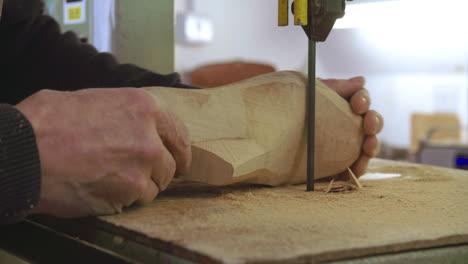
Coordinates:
x,y
20,171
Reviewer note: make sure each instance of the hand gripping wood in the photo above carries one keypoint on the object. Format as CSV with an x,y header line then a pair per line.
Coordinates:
x,y
253,131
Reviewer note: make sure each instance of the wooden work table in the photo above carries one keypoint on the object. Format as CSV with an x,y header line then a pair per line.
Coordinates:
x,y
426,207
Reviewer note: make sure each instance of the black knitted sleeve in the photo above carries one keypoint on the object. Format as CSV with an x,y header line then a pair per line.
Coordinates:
x,y
36,55
20,171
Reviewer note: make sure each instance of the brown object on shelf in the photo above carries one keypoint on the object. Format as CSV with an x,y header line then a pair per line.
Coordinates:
x,y
253,131
426,207
215,75
422,123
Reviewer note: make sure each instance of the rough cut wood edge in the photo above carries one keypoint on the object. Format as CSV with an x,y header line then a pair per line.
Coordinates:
x,y
253,131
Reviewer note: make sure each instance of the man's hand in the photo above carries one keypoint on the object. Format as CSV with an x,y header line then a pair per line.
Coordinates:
x,y
104,149
353,90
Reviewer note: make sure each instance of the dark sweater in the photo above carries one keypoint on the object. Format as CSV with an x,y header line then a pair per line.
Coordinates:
x,y
35,55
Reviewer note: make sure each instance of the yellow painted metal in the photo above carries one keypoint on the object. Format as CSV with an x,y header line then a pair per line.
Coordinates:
x,y
283,18
300,12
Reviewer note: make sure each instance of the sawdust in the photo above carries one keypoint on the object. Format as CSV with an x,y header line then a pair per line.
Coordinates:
x,y
338,186
255,223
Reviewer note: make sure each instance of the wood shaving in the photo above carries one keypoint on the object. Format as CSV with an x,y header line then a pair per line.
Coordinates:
x,y
354,178
338,187
329,186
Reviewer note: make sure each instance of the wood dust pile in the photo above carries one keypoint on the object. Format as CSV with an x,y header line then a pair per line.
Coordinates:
x,y
425,207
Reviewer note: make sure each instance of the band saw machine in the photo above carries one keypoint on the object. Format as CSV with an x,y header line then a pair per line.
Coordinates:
x,y
317,18
419,216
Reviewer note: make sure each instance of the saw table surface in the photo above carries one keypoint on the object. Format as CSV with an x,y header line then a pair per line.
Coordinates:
x,y
424,208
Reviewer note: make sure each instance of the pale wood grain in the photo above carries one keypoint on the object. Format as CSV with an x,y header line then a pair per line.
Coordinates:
x,y
253,131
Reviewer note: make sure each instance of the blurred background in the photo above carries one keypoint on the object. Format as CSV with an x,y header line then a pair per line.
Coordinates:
x,y
413,54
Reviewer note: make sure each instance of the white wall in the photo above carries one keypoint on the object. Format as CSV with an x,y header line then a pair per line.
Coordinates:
x,y
412,62
103,24
243,30
396,96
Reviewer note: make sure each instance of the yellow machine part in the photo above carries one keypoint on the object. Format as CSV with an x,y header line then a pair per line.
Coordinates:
x,y
300,12
283,10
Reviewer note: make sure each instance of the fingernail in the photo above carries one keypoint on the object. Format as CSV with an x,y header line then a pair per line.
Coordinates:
x,y
359,80
364,100
376,151
377,124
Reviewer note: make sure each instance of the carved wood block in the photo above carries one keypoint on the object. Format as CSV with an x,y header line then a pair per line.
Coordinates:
x,y
253,131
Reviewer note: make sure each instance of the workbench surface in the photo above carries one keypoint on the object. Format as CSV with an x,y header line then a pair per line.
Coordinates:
x,y
426,207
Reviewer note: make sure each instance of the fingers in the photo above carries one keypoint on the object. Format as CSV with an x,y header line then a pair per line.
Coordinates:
x,y
170,154
370,149
150,190
371,146
163,170
352,90
373,123
175,137
345,88
360,166
160,169
360,101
